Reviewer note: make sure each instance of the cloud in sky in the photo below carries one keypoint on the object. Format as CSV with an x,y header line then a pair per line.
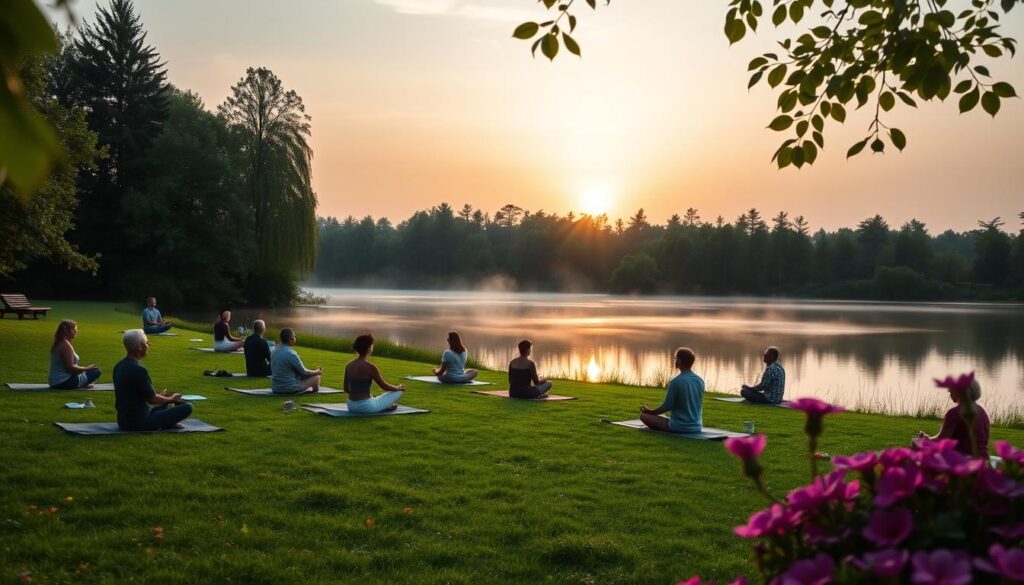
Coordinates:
x,y
459,8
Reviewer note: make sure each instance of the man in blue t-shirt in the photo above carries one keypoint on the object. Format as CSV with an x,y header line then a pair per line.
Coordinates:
x,y
133,392
288,375
152,321
773,381
684,400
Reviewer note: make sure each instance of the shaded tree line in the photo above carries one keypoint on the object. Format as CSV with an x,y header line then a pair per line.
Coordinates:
x,y
686,255
156,194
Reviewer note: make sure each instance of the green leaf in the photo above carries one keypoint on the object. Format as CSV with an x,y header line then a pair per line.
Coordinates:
x,y
533,49
992,51
899,140
801,127
776,75
969,100
818,138
887,101
593,4
796,13
962,86
990,103
798,157
779,16
780,123
734,30
572,23
526,30
570,44
785,157
907,99
1003,90
754,79
822,32
28,145
838,113
549,46
756,63
856,148
982,70
810,152
877,145
817,122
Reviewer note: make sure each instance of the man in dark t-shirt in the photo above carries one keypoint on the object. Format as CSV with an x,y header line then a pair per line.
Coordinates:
x,y
257,351
133,392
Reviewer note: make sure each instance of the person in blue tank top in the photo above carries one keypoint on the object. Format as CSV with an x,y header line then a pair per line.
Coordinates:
x,y
684,399
453,362
152,321
65,373
360,374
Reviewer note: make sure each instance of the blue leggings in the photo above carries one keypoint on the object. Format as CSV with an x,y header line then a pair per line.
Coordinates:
x,y
154,329
447,378
375,404
161,417
79,380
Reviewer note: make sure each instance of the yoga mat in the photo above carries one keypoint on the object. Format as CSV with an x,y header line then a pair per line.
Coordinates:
x,y
233,375
741,400
341,410
192,425
24,387
193,397
195,339
504,394
708,434
211,350
434,380
270,392
164,334
75,405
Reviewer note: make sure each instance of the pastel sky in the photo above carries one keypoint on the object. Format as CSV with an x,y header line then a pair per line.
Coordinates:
x,y
415,102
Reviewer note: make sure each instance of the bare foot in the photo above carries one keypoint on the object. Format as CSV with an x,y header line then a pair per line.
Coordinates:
x,y
393,407
314,390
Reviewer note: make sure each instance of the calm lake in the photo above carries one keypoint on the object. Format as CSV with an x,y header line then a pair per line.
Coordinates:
x,y
871,356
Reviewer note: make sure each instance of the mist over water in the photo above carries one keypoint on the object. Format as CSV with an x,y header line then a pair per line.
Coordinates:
x,y
871,356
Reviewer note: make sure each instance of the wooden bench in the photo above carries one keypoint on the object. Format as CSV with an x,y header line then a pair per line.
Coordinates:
x,y
18,303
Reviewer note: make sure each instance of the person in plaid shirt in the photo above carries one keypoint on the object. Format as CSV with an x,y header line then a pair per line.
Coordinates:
x,y
773,381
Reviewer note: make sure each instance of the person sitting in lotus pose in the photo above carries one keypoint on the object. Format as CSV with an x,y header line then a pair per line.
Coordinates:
x,y
360,374
288,375
222,338
523,381
954,425
257,351
683,400
453,362
773,381
134,393
65,373
152,321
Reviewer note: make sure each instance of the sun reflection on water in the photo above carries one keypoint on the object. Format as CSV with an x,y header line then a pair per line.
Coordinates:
x,y
593,370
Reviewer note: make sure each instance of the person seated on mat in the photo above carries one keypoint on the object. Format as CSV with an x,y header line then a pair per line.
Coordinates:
x,y
773,381
360,374
222,338
523,381
152,321
453,362
65,373
684,399
288,375
257,351
134,393
955,427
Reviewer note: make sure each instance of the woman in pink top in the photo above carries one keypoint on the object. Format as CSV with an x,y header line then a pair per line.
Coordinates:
x,y
955,427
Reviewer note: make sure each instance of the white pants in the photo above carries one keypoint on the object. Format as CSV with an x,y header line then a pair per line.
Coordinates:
x,y
375,404
227,346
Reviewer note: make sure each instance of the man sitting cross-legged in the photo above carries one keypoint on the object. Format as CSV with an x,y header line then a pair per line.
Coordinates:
x,y
152,321
133,392
684,399
257,351
773,381
288,374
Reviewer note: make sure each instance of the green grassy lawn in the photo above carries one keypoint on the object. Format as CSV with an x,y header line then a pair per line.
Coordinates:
x,y
481,490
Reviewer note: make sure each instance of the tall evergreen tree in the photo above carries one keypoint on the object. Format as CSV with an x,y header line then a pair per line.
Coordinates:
x,y
121,81
271,127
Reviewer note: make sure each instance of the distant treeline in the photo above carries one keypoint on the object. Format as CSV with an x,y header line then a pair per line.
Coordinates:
x,y
686,255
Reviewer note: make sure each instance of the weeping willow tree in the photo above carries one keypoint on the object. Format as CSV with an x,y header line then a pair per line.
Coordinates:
x,y
271,126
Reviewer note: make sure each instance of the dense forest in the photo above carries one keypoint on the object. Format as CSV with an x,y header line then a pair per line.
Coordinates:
x,y
687,255
156,195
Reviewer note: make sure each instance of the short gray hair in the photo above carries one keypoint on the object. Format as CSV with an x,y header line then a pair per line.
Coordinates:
x,y
259,326
133,338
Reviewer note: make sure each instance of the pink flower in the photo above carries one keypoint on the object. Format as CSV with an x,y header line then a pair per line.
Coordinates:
x,y
895,484
962,382
1008,452
1011,532
816,571
896,455
1006,562
823,490
887,563
861,462
889,527
746,447
773,521
815,410
995,482
941,567
928,445
690,581
815,535
951,462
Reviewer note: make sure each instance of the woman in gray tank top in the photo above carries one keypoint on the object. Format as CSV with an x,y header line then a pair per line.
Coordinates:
x,y
65,373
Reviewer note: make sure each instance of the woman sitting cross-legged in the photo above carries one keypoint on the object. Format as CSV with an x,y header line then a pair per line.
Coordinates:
x,y
523,381
360,374
453,362
65,373
683,400
222,338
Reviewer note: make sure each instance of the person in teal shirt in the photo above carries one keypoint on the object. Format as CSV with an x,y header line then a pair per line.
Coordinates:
x,y
684,399
152,321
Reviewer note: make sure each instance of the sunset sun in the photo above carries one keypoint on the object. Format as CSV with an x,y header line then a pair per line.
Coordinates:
x,y
595,199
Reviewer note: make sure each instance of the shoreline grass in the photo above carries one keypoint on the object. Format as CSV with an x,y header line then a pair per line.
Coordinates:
x,y
478,491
